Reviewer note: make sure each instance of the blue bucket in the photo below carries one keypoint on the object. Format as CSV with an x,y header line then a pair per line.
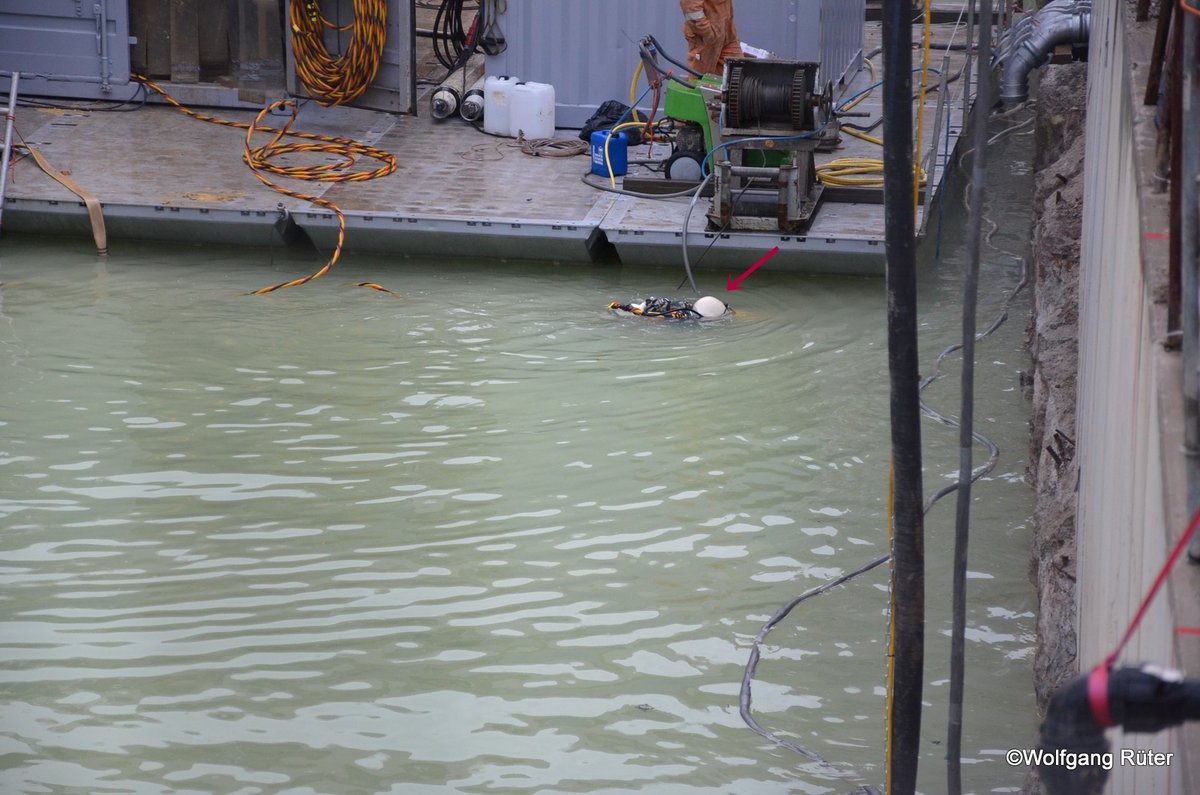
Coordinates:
x,y
618,153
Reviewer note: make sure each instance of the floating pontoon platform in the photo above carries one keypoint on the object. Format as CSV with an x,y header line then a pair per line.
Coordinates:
x,y
163,175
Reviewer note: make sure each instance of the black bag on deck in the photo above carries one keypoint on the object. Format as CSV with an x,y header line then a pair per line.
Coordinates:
x,y
605,117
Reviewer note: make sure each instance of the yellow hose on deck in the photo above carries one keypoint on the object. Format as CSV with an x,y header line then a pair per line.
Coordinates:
x,y
863,172
331,81
259,160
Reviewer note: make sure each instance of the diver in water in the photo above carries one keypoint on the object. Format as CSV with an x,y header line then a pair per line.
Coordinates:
x,y
706,308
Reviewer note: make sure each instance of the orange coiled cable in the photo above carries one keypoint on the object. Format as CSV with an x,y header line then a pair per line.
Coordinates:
x,y
340,80
259,159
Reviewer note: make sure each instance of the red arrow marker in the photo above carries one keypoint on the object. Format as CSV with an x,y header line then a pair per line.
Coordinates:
x,y
736,284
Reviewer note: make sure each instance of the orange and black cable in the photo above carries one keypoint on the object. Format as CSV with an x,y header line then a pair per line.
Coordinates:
x,y
259,159
342,79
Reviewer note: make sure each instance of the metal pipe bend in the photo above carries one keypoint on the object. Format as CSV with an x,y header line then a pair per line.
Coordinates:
x,y
1060,22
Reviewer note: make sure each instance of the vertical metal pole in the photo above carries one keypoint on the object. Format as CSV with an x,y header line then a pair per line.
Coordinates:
x,y
907,648
105,60
966,426
966,108
939,117
1189,277
8,136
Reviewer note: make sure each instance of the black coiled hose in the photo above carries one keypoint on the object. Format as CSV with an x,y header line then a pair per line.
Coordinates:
x,y
454,44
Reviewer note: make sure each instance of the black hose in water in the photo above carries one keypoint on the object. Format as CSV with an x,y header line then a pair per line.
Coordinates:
x,y
907,651
745,695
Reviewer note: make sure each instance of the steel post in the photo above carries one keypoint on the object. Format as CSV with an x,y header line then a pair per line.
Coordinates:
x,y
8,137
907,648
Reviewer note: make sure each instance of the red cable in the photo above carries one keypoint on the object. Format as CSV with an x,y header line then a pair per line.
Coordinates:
x,y
1097,683
1097,690
1184,6
1180,546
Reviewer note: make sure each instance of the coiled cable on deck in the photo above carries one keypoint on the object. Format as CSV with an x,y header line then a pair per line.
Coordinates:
x,y
259,159
552,147
342,79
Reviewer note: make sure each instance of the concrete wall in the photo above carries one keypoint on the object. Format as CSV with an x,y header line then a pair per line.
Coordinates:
x,y
1126,514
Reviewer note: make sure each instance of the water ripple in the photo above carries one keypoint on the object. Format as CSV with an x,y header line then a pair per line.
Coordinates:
x,y
458,543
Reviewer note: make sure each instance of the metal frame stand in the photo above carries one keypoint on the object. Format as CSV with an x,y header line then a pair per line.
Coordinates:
x,y
792,202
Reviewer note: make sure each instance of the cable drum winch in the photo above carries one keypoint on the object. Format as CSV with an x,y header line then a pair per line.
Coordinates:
x,y
770,97
773,118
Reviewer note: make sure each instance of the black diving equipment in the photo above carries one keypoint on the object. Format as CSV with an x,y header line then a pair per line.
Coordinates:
x,y
705,308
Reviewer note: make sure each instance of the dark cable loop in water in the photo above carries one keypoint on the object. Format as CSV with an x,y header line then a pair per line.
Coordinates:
x,y
748,677
687,265
744,697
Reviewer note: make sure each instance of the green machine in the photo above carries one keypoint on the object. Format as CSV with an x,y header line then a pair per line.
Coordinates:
x,y
697,111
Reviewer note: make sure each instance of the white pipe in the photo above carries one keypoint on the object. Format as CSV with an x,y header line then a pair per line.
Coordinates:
x,y
1061,22
8,134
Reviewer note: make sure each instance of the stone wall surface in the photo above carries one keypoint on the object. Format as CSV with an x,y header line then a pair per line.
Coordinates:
x,y
1053,342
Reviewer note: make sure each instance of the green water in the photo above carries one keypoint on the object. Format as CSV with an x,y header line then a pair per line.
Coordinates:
x,y
484,538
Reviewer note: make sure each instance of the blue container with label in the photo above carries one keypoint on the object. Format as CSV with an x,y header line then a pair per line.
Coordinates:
x,y
618,153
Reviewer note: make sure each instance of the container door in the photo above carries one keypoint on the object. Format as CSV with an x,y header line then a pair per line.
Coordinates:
x,y
67,48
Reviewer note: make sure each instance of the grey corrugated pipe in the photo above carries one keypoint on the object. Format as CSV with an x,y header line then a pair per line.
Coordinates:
x,y
1060,22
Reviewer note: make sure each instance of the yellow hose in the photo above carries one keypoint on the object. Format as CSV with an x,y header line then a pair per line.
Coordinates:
x,y
856,133
874,79
917,177
863,136
612,178
633,89
861,172
331,81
